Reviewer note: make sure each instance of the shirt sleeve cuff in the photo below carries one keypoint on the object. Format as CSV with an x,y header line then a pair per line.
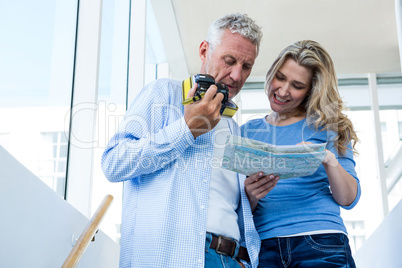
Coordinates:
x,y
178,134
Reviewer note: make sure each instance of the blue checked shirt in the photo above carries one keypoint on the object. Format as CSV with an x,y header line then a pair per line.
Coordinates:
x,y
166,175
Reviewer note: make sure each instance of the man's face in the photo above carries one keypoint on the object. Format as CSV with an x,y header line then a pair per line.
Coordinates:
x,y
230,62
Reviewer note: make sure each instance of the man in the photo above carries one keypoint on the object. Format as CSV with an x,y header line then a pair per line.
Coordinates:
x,y
180,209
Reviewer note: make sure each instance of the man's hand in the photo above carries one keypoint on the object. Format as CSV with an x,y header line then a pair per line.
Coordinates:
x,y
258,186
203,115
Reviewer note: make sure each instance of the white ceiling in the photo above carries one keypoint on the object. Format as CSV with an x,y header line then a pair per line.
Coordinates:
x,y
361,35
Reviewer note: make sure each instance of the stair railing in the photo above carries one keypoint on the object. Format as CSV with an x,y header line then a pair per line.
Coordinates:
x,y
88,234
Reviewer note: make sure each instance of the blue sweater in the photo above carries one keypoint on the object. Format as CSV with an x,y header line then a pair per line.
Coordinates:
x,y
302,204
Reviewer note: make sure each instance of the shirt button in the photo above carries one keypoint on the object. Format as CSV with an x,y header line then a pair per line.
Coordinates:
x,y
201,233
199,260
204,180
202,207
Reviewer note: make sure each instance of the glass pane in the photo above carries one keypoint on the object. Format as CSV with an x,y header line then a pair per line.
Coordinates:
x,y
400,130
4,140
46,167
63,150
54,137
254,104
61,166
63,138
155,57
390,132
37,56
48,180
111,104
55,151
395,195
112,94
60,184
369,207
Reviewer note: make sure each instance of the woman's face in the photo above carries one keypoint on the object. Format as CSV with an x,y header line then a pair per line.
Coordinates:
x,y
289,88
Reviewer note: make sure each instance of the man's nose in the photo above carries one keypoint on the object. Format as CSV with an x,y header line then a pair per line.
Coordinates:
x,y
236,73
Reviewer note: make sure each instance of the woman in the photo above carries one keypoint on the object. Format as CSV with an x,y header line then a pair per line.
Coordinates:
x,y
299,220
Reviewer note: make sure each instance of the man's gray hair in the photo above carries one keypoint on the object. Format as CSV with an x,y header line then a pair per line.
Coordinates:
x,y
236,23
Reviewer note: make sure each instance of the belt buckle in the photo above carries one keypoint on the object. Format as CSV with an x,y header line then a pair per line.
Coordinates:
x,y
232,252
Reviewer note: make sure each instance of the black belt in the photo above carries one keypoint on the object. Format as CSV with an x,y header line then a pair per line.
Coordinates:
x,y
227,246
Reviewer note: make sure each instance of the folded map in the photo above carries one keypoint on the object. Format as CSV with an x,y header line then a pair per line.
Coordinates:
x,y
247,156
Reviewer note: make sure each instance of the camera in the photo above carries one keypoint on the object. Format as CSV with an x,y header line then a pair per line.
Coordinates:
x,y
204,81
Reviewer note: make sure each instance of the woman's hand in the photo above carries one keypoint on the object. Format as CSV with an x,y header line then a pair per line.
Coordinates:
x,y
330,159
258,186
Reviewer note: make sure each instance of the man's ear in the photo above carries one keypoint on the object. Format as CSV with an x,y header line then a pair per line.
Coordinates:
x,y
203,50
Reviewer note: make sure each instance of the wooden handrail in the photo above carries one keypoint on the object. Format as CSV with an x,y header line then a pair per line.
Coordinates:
x,y
83,241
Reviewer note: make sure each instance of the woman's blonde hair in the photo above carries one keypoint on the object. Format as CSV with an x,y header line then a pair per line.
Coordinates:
x,y
323,104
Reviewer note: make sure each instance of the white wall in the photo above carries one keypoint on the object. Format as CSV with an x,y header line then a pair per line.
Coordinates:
x,y
383,248
37,226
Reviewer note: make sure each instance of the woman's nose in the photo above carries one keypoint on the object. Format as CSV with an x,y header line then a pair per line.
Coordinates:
x,y
284,90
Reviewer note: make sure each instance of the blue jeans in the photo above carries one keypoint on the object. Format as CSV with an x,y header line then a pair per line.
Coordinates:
x,y
214,259
321,250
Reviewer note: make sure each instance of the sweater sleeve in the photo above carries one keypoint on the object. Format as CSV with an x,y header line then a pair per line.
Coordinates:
x,y
348,163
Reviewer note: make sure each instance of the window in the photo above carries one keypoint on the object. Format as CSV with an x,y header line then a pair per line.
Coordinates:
x,y
113,94
356,234
400,130
390,133
4,140
53,159
36,73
